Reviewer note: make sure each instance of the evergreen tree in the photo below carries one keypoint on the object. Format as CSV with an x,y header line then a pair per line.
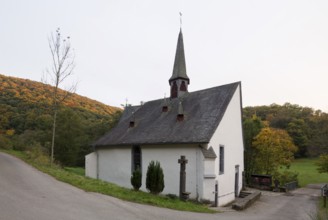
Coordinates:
x,y
323,163
155,178
136,179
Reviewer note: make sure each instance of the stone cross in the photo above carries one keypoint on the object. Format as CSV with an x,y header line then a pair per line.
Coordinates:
x,y
182,161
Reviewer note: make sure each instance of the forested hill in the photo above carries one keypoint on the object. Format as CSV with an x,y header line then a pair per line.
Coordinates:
x,y
26,120
27,91
307,127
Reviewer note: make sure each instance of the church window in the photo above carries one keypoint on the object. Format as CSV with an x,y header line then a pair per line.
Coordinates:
x,y
183,86
174,90
221,162
136,158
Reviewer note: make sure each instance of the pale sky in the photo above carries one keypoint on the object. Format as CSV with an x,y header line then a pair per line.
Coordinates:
x,y
125,49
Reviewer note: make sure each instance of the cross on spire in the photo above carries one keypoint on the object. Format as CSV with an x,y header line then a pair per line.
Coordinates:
x,y
180,20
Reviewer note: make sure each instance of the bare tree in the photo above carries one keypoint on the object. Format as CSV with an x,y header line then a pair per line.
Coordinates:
x,y
61,68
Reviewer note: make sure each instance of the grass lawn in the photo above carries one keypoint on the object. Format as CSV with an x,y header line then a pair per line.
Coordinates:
x,y
307,172
77,170
75,177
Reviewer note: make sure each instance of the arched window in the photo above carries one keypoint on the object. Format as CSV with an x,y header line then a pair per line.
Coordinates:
x,y
174,90
183,86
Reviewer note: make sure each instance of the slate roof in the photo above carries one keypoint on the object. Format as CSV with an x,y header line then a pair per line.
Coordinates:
x,y
209,153
203,111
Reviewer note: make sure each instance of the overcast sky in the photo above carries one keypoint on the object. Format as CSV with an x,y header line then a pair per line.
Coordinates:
x,y
125,49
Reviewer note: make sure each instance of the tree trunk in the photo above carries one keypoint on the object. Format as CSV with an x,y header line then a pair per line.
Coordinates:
x,y
53,137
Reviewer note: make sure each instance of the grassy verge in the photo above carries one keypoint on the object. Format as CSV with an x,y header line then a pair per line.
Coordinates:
x,y
76,178
323,211
307,172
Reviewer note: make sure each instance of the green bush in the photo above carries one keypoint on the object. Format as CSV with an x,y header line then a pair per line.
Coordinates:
x,y
136,179
323,163
38,155
5,143
155,178
285,177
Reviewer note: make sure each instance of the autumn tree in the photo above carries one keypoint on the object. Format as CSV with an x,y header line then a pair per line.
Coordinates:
x,y
274,148
62,67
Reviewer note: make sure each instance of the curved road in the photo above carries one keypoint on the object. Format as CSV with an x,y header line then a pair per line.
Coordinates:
x,y
26,193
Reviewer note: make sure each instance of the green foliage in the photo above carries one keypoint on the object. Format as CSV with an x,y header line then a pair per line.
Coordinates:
x,y
323,163
38,155
285,176
155,178
252,127
5,142
298,131
69,132
136,179
274,148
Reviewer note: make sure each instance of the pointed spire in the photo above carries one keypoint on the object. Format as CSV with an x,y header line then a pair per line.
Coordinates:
x,y
179,80
179,68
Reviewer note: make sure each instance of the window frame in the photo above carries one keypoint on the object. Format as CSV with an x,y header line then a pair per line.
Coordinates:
x,y
136,153
221,159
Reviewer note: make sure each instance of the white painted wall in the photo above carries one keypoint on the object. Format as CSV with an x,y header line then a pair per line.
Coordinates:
x,y
91,165
209,179
229,134
168,158
115,165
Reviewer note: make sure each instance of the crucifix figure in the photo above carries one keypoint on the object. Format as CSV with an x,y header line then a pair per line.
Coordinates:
x,y
182,161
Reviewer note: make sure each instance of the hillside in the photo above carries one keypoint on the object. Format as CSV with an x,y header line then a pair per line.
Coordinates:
x,y
26,120
307,127
12,88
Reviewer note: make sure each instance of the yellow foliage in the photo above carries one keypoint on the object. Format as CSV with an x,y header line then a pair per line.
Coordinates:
x,y
36,92
10,132
274,148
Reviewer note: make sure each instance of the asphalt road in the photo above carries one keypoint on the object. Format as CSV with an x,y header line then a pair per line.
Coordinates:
x,y
28,194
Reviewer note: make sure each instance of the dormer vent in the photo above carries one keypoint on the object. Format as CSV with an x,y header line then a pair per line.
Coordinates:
x,y
165,108
131,125
180,116
132,120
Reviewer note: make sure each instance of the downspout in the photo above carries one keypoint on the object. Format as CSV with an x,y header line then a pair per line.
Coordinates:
x,y
197,180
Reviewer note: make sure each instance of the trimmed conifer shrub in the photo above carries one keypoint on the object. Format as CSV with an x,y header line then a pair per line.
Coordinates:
x,y
155,178
136,179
